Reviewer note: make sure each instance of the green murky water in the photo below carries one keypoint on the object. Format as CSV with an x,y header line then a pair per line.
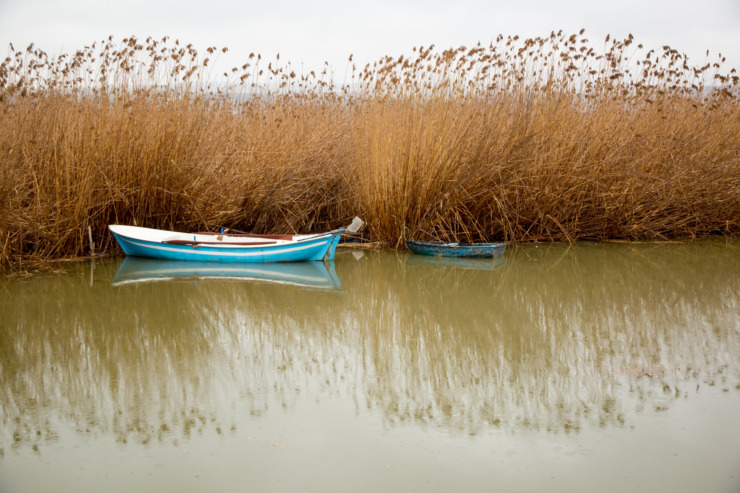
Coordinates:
x,y
595,367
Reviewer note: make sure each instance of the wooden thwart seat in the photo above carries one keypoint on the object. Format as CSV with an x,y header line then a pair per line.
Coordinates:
x,y
249,235
219,243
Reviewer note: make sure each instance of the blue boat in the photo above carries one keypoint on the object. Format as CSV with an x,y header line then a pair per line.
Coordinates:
x,y
440,249
316,275
215,247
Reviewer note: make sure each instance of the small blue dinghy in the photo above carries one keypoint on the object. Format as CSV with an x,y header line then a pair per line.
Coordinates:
x,y
441,249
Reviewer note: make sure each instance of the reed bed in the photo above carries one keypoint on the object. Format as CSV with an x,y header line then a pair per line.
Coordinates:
x,y
543,139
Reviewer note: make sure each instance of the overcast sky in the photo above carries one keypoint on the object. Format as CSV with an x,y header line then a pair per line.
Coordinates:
x,y
310,32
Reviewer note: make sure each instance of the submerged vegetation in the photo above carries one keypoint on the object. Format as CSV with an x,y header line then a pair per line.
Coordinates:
x,y
520,140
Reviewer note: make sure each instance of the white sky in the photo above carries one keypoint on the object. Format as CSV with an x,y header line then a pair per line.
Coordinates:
x,y
311,32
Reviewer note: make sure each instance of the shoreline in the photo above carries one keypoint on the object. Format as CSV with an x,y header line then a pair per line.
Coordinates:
x,y
30,266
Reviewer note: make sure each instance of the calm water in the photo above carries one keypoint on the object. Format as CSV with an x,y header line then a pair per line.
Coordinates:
x,y
595,367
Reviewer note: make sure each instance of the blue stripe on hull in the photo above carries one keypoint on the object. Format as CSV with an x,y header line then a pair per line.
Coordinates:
x,y
294,252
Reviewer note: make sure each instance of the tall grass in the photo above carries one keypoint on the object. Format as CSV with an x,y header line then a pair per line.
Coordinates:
x,y
521,140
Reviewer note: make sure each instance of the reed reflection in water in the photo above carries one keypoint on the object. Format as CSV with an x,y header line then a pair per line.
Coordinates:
x,y
554,340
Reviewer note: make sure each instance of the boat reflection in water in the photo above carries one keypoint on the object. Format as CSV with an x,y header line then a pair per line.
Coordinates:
x,y
472,263
319,275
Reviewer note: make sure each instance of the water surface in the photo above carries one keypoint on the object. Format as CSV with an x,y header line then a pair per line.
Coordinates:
x,y
607,367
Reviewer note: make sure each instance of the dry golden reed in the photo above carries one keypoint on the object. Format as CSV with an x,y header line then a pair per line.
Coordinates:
x,y
521,140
